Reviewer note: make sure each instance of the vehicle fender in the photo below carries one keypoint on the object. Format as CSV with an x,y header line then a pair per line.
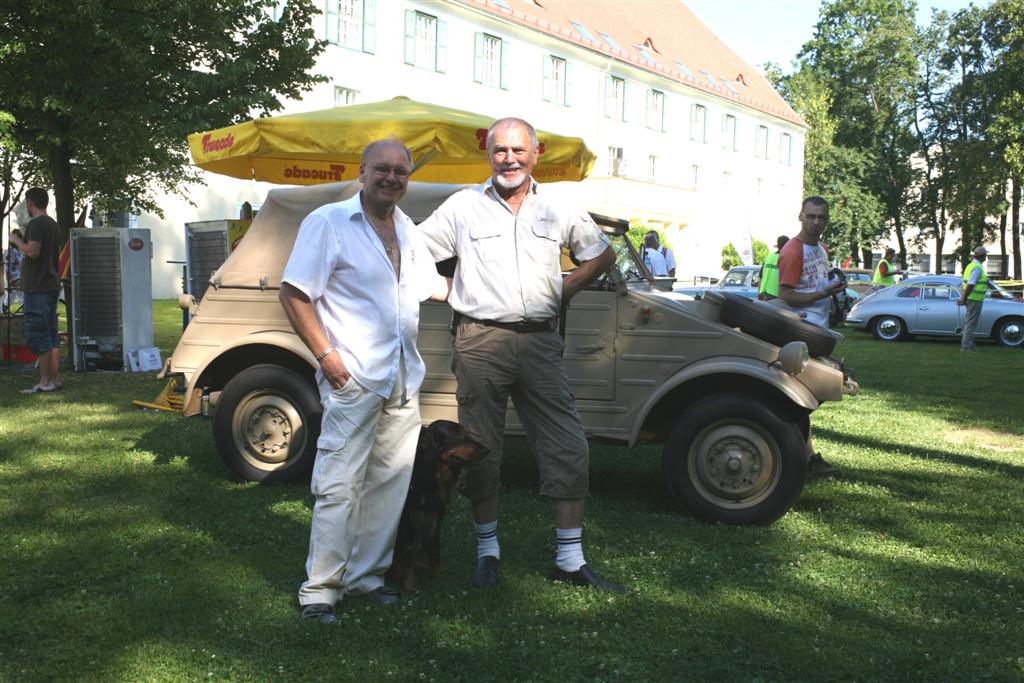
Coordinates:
x,y
771,375
285,340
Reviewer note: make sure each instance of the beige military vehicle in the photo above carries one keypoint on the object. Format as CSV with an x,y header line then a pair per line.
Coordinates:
x,y
731,409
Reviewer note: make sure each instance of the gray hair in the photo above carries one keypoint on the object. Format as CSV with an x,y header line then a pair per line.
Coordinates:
x,y
370,148
508,122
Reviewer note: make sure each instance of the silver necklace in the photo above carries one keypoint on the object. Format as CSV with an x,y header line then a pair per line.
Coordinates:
x,y
387,247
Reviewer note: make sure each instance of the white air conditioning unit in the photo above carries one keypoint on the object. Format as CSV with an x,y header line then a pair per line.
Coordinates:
x,y
112,296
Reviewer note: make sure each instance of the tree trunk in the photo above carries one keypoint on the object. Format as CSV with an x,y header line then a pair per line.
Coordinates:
x,y
869,258
59,157
1015,227
940,241
1002,235
898,225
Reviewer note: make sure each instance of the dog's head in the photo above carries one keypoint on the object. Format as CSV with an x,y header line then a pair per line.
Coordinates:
x,y
453,444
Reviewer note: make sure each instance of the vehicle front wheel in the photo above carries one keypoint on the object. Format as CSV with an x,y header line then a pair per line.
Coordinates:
x,y
1009,332
889,328
730,459
266,425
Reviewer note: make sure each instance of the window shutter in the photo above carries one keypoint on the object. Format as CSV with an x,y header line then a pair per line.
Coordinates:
x,y
609,97
627,100
442,47
506,66
478,58
649,121
331,21
568,83
410,36
547,89
370,26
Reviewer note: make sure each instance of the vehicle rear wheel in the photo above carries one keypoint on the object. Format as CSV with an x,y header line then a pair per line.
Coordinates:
x,y
1009,332
889,328
730,459
266,425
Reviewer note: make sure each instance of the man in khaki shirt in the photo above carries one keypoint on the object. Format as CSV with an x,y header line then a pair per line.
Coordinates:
x,y
508,291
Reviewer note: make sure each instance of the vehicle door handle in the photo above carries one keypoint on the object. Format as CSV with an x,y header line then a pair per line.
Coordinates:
x,y
922,308
590,348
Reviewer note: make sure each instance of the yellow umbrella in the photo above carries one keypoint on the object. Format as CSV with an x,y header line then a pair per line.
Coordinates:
x,y
324,146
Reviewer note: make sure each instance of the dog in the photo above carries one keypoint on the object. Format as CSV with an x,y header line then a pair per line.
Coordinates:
x,y
444,448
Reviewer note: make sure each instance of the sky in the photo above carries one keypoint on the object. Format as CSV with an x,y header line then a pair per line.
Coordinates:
x,y
762,31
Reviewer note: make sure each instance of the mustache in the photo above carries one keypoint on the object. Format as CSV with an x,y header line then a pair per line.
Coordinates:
x,y
515,166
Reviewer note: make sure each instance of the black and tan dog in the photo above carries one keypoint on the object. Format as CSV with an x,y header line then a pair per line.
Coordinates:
x,y
443,450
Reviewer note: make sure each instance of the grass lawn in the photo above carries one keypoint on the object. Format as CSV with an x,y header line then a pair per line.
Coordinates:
x,y
128,553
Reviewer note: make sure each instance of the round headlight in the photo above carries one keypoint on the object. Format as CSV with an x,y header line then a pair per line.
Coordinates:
x,y
793,357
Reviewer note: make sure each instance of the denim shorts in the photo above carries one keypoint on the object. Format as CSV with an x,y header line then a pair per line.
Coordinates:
x,y
41,321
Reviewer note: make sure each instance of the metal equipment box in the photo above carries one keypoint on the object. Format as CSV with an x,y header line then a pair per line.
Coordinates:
x,y
112,296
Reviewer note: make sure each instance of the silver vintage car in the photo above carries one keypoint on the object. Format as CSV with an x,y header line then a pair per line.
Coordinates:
x,y
928,305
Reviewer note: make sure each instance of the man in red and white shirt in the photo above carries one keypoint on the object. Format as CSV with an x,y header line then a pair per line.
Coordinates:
x,y
803,266
804,283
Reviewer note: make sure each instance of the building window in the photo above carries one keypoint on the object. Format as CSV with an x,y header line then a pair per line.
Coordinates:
x,y
656,110
490,61
350,23
729,132
786,149
615,98
556,80
694,176
426,41
277,10
699,123
726,178
761,142
652,168
344,96
616,162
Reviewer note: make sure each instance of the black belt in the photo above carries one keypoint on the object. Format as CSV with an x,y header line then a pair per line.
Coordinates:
x,y
523,326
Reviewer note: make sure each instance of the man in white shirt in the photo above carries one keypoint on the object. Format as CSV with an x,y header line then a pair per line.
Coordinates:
x,y
653,258
666,253
352,289
508,291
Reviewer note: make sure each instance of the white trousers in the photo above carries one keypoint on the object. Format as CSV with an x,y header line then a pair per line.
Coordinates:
x,y
360,480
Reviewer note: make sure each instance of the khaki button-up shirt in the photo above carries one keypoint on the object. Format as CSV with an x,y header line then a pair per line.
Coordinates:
x,y
509,265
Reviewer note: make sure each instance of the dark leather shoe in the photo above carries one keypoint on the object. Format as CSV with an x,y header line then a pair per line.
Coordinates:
x,y
319,611
486,573
817,465
586,578
383,596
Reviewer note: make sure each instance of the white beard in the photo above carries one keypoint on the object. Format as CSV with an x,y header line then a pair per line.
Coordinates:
x,y
510,183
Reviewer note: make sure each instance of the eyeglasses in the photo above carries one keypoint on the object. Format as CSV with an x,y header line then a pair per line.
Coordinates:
x,y
400,171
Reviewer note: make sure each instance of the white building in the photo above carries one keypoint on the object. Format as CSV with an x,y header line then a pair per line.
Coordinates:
x,y
689,138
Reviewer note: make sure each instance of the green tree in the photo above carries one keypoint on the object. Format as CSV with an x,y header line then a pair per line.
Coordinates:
x,y
731,257
104,92
866,53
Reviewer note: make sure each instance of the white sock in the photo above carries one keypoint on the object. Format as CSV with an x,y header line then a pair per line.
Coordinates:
x,y
487,540
570,549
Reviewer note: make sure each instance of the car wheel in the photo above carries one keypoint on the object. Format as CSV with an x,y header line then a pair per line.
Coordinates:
x,y
889,328
1009,332
266,425
771,323
730,459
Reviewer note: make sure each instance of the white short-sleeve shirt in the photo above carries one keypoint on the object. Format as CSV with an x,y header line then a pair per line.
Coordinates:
x,y
368,315
509,264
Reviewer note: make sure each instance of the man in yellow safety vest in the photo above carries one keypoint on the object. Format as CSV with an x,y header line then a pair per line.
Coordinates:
x,y
885,276
769,287
973,297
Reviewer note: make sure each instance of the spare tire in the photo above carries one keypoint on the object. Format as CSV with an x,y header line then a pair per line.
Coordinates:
x,y
771,323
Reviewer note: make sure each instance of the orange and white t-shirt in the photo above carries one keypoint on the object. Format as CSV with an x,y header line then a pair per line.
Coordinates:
x,y
804,267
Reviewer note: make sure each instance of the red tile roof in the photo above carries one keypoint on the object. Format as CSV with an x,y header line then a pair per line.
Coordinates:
x,y
667,30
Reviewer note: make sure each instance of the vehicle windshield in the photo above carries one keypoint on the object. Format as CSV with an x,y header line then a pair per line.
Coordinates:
x,y
735,278
626,259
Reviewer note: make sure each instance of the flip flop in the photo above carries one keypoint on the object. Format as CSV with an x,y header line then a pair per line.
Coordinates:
x,y
37,390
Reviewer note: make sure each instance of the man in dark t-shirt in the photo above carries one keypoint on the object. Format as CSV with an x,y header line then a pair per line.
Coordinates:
x,y
41,285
